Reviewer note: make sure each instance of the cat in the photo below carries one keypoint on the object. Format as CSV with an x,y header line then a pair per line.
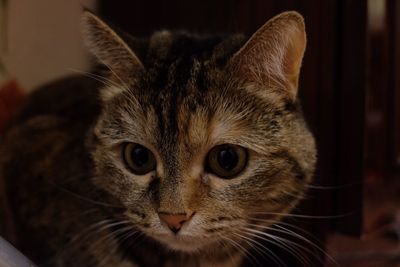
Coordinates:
x,y
181,153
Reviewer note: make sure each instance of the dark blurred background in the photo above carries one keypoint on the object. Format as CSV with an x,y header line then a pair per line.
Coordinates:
x,y
350,90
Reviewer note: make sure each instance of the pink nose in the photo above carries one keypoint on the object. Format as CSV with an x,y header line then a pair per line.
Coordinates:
x,y
174,221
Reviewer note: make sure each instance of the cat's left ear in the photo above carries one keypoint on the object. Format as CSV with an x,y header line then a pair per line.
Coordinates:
x,y
274,53
108,46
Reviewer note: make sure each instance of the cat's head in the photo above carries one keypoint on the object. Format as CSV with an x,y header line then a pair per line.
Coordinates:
x,y
201,139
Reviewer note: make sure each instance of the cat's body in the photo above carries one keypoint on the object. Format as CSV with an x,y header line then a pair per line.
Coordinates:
x,y
79,199
57,120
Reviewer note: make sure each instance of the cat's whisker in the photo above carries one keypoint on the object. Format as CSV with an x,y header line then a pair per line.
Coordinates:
x,y
285,231
286,243
248,251
277,223
83,215
294,234
83,235
128,235
133,231
110,83
88,230
136,240
294,194
99,78
298,236
226,247
302,215
255,244
319,248
89,212
333,187
107,249
109,240
122,232
99,227
77,179
278,241
241,249
282,243
108,226
96,202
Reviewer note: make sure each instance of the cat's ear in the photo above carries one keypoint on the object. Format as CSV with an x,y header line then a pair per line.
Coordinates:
x,y
274,53
107,45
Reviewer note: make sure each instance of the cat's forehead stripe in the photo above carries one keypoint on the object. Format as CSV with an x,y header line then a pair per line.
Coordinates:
x,y
176,75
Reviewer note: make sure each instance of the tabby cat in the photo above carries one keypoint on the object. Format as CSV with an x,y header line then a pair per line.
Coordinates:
x,y
180,153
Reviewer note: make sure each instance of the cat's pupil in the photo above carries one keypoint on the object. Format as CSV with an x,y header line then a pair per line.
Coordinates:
x,y
228,158
140,155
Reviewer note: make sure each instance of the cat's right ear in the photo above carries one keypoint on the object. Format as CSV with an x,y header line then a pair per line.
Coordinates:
x,y
108,46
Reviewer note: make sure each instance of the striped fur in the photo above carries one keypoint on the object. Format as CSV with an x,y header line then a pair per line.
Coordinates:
x,y
179,95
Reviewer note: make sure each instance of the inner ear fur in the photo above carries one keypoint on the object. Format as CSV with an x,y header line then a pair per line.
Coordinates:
x,y
273,54
107,45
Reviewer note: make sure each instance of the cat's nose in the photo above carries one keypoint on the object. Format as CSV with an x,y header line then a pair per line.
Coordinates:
x,y
174,221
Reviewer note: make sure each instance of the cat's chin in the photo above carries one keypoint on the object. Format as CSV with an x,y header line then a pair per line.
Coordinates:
x,y
187,244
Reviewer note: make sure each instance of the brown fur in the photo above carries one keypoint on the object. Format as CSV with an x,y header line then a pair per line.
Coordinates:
x,y
77,204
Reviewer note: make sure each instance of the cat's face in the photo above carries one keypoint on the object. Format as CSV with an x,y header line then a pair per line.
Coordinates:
x,y
200,140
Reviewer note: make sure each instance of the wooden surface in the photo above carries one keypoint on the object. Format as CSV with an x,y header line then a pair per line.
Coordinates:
x,y
382,161
394,85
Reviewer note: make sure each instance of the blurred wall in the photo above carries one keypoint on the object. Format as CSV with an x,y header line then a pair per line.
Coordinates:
x,y
44,40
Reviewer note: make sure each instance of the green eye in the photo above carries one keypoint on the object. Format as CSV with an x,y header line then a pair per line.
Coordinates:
x,y
139,159
226,161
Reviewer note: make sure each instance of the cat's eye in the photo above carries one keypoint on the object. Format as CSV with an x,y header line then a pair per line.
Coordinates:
x,y
139,159
226,161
